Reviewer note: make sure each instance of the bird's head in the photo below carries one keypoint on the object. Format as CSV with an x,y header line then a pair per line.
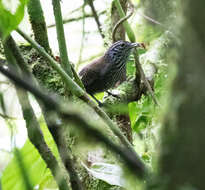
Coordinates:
x,y
121,50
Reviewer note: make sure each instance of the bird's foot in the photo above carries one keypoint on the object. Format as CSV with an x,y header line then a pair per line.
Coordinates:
x,y
114,95
100,104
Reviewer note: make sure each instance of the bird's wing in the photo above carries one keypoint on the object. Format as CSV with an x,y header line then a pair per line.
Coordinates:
x,y
88,76
91,72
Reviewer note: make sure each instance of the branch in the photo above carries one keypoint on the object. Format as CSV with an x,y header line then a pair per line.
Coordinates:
x,y
36,137
144,79
90,2
7,117
128,155
34,132
120,22
77,9
66,155
79,92
82,39
128,28
61,38
158,23
129,91
38,24
76,19
131,36
133,162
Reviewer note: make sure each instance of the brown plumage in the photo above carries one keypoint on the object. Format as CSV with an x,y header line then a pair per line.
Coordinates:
x,y
103,73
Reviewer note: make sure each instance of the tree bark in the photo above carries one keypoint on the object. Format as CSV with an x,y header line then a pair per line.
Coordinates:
x,y
183,154
120,34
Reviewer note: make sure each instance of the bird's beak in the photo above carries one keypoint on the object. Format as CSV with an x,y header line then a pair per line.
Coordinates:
x,y
138,45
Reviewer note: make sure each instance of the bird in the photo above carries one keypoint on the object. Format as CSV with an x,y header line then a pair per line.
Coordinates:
x,y
109,70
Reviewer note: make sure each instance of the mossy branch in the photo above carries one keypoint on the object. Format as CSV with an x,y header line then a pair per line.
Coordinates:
x,y
96,17
38,24
35,134
73,87
61,38
37,139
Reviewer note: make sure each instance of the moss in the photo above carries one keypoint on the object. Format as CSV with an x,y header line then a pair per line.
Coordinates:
x,y
38,23
46,76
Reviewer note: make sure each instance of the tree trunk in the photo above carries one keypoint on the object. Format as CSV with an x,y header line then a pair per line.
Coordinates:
x,y
120,34
183,154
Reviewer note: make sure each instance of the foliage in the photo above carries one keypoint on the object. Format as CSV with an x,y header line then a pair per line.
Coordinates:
x,y
35,166
110,173
144,115
10,19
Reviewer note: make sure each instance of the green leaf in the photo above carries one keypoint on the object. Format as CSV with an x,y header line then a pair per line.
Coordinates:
x,y
9,20
33,163
110,173
100,95
133,112
141,113
146,157
141,123
47,181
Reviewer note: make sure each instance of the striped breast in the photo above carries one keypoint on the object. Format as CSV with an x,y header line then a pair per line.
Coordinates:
x,y
115,74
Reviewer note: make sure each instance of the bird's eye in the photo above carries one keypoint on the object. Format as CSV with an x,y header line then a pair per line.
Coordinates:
x,y
122,45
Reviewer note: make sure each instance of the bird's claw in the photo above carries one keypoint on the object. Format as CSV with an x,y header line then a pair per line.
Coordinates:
x,y
114,95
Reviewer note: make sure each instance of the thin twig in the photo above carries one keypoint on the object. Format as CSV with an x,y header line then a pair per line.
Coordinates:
x,y
90,2
76,19
151,19
143,77
82,39
126,25
77,9
121,21
158,23
4,82
61,37
8,117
